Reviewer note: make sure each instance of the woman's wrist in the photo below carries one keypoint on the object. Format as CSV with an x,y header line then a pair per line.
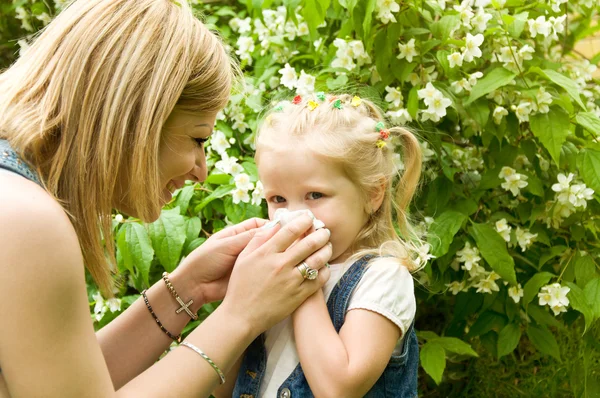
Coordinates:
x,y
187,288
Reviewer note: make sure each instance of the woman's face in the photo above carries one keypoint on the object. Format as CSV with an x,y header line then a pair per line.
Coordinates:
x,y
181,154
180,157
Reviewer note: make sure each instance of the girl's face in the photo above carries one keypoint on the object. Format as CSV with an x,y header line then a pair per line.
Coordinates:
x,y
296,178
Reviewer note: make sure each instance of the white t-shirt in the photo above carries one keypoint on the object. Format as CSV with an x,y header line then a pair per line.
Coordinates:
x,y
386,288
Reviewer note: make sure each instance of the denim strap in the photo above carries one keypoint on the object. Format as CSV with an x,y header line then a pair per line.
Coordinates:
x,y
11,161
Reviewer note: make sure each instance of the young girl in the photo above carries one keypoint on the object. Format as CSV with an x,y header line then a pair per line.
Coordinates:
x,y
334,155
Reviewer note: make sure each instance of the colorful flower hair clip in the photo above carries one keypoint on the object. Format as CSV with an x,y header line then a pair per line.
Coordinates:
x,y
384,134
312,105
380,144
278,108
379,126
269,119
321,96
337,104
356,101
297,99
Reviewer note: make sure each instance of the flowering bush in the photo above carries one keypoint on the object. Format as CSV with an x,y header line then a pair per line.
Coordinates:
x,y
509,114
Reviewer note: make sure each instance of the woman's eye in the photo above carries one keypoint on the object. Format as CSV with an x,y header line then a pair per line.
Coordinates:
x,y
277,199
200,141
314,195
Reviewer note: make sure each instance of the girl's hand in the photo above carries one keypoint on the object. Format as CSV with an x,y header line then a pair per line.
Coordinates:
x,y
264,286
210,265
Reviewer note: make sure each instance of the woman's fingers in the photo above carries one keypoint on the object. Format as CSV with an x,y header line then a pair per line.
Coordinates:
x,y
242,227
290,232
316,261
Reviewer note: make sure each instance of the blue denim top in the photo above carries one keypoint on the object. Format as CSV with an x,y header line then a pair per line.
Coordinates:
x,y
399,379
11,161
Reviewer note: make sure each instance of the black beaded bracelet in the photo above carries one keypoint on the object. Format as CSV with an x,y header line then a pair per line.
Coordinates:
x,y
160,325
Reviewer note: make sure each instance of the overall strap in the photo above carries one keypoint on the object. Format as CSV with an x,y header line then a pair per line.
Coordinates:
x,y
340,295
11,161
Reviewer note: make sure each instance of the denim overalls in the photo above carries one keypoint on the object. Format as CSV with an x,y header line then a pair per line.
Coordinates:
x,y
399,379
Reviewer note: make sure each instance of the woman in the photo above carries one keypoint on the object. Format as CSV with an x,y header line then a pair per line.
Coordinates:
x,y
109,109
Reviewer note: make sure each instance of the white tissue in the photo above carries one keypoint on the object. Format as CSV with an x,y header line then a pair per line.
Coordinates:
x,y
284,216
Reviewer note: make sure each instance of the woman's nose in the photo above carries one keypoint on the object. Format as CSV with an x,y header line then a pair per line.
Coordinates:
x,y
199,171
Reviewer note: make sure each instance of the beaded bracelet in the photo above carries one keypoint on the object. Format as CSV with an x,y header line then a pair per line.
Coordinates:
x,y
184,306
160,325
203,355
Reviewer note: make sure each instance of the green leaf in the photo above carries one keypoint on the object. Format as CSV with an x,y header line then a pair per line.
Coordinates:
x,y
493,80
533,285
568,84
543,317
218,179
589,121
515,24
508,339
585,270
313,12
193,245
493,249
592,294
579,302
136,249
551,129
457,346
193,228
433,360
543,340
183,198
442,231
480,112
412,106
216,194
368,17
589,167
441,29
488,320
168,235
534,185
337,83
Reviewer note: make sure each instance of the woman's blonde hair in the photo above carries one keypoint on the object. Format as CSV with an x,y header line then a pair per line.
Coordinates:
x,y
346,132
87,102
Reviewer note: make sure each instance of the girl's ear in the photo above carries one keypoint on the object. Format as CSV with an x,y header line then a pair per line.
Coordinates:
x,y
378,195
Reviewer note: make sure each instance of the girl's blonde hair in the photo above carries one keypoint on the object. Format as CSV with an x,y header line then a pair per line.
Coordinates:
x,y
87,102
345,131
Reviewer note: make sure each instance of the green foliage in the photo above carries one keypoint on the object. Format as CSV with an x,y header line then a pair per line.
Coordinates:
x,y
511,189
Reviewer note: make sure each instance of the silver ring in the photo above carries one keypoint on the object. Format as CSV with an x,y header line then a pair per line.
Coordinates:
x,y
307,272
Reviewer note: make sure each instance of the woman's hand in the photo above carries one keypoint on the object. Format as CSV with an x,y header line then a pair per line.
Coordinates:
x,y
264,286
210,265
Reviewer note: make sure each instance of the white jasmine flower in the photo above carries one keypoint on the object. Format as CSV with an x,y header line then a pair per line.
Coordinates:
x,y
305,84
473,77
245,48
466,13
344,63
240,25
480,20
394,96
468,255
544,99
455,59
119,218
564,183
423,255
515,183
526,53
487,285
258,194
524,238
408,50
242,181
219,142
386,10
289,78
515,293
427,93
471,49
456,287
357,49
460,85
539,26
113,304
554,296
437,108
426,154
503,229
499,113
229,165
399,116
302,29
522,111
240,195
507,172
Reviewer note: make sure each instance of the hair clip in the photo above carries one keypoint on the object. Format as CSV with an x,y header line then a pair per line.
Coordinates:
x,y
312,105
268,119
384,134
380,144
321,96
379,126
337,104
333,98
356,101
278,108
297,99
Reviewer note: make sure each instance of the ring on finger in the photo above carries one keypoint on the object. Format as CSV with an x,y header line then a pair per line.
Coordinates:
x,y
307,272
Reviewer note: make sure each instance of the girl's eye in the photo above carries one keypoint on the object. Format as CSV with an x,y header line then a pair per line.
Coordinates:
x,y
277,199
315,195
200,141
